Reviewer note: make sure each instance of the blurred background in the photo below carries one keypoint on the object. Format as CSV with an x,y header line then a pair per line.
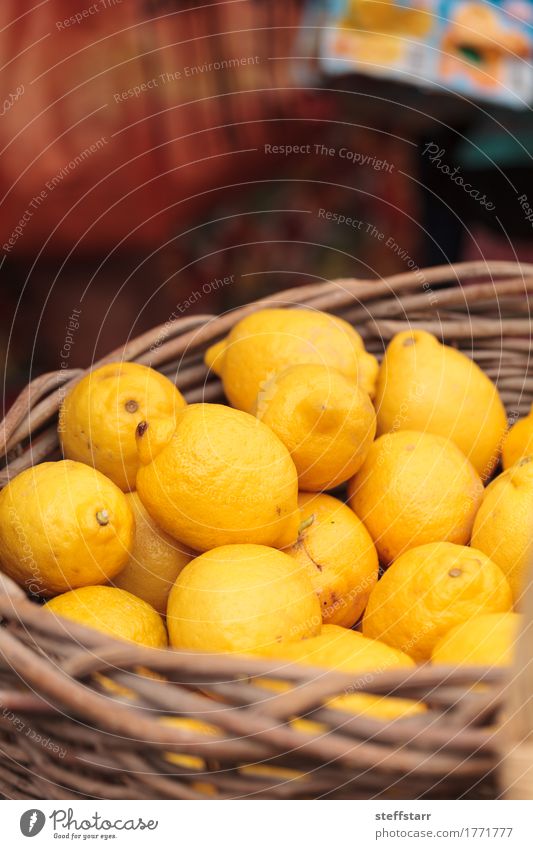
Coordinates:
x,y
160,159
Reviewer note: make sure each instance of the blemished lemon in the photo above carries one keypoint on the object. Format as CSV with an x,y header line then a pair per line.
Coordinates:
x,y
63,525
504,524
98,417
221,477
415,488
241,598
344,650
339,556
519,441
269,340
325,420
155,561
486,640
426,386
112,611
428,590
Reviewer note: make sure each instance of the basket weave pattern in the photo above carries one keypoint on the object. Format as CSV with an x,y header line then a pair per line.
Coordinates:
x,y
66,732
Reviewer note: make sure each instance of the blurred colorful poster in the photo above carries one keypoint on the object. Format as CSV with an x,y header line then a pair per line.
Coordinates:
x,y
479,49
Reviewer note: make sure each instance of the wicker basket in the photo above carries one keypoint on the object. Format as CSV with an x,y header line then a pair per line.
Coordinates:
x,y
68,733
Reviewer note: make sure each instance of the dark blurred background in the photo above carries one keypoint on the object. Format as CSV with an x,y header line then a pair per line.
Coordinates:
x,y
153,151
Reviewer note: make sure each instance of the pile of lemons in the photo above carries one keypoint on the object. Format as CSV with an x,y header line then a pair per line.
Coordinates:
x,y
214,528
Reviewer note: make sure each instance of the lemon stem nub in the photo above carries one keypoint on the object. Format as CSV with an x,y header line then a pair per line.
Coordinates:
x,y
131,406
306,524
142,427
455,573
102,517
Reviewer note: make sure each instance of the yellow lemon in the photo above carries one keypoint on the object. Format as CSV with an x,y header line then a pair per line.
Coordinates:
x,y
194,762
155,561
270,340
504,524
197,726
519,441
423,385
222,477
415,488
111,686
339,556
486,640
116,689
241,598
98,418
325,420
112,611
348,651
63,525
205,788
428,590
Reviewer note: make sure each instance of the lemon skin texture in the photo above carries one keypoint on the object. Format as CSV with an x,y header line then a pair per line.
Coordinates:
x,y
221,477
155,560
519,441
112,611
430,589
241,598
98,417
503,528
269,340
426,386
63,525
339,556
327,423
486,640
343,650
415,488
